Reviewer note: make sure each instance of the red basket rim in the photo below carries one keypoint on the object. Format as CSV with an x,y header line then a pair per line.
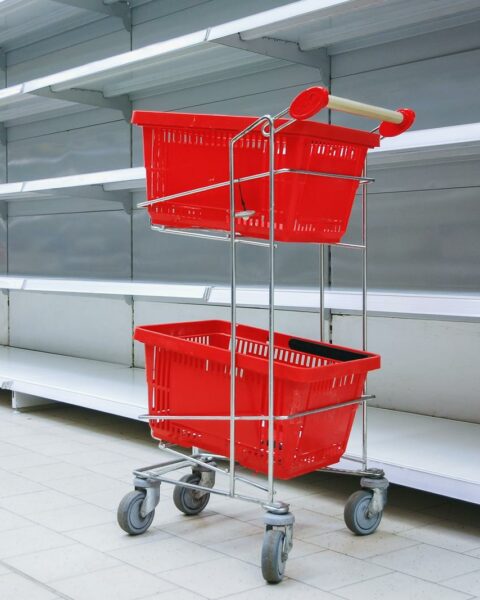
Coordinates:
x,y
237,123
150,334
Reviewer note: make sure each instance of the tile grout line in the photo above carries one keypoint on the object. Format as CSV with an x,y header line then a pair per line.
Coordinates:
x,y
45,586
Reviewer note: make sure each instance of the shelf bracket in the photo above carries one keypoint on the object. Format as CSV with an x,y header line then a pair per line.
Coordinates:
x,y
90,98
288,51
113,8
3,135
3,210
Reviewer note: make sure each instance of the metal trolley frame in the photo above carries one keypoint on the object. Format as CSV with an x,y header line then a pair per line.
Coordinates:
x,y
363,511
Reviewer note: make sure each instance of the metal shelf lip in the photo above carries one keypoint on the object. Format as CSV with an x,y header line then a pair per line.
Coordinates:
x,y
429,144
109,288
421,304
119,179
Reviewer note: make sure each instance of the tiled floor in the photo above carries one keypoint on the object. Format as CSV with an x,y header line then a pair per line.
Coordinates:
x,y
63,471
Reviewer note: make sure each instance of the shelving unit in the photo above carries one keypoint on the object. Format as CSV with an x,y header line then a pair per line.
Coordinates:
x,y
265,43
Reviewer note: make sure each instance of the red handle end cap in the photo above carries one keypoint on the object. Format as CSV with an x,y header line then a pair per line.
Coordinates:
x,y
393,129
308,103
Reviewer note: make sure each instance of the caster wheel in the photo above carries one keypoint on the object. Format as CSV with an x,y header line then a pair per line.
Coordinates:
x,y
128,514
189,501
274,558
356,514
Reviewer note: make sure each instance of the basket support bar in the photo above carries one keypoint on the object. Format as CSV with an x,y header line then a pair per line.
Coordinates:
x,y
207,236
215,186
305,413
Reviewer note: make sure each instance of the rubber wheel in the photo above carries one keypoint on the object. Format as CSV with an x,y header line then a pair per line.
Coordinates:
x,y
356,514
128,514
273,559
189,501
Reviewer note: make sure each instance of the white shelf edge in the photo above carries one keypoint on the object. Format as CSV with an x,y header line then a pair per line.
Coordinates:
x,y
339,301
118,179
421,304
109,288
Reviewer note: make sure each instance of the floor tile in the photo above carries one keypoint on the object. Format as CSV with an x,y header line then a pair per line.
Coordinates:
x,y
287,590
328,570
13,484
120,469
428,562
9,520
59,563
73,517
109,536
10,449
165,554
28,504
50,472
345,542
469,583
26,459
120,583
397,520
249,548
176,594
30,539
322,503
87,484
216,578
452,536
397,586
16,587
212,529
92,457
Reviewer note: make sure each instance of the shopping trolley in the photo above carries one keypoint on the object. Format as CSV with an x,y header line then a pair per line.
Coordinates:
x,y
273,403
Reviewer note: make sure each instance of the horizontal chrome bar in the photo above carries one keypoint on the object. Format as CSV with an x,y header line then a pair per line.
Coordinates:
x,y
285,171
254,417
207,236
344,245
218,491
196,459
376,473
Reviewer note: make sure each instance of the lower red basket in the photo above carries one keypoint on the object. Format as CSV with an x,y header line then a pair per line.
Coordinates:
x,y
188,373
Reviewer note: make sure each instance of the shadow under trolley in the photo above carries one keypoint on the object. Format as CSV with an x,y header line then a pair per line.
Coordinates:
x,y
276,404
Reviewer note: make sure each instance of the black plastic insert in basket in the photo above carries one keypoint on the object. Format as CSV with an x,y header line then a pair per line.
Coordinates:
x,y
325,350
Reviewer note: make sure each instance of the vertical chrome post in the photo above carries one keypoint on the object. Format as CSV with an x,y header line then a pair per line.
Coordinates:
x,y
322,293
364,310
233,317
271,314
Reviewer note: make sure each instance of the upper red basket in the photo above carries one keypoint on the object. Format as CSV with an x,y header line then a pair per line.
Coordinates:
x,y
189,151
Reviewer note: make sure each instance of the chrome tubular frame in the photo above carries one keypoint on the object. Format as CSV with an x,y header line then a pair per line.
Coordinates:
x,y
205,461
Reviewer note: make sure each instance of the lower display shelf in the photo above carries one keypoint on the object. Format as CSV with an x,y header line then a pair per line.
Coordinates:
x,y
427,453
111,388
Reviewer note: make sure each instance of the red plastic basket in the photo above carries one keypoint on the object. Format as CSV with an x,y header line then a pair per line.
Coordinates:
x,y
188,373
188,151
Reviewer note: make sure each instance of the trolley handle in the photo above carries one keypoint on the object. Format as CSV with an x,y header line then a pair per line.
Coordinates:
x,y
312,100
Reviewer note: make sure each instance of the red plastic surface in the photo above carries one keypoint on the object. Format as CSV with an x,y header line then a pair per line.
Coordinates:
x,y
188,372
309,102
188,151
393,129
